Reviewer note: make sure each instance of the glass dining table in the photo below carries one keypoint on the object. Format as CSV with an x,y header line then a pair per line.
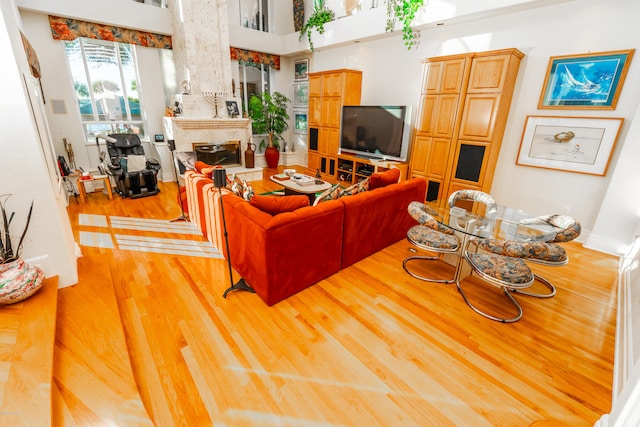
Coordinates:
x,y
472,220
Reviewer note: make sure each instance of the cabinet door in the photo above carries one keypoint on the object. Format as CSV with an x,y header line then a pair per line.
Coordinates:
x,y
315,85
488,73
446,113
438,162
420,155
479,116
452,75
333,140
332,84
331,111
323,141
315,111
431,77
427,114
470,163
313,161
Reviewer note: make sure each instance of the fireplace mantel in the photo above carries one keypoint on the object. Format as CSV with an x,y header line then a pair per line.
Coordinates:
x,y
186,131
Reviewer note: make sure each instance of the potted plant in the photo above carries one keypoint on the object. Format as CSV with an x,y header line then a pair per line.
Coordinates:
x,y
404,11
269,116
320,16
17,280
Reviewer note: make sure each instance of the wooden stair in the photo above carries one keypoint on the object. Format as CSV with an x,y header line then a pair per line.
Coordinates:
x,y
27,336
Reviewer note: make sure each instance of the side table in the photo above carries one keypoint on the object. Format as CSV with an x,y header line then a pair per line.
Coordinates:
x,y
83,192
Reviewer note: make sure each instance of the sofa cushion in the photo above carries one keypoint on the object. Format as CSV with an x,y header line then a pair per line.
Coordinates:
x,y
332,193
382,179
277,204
200,165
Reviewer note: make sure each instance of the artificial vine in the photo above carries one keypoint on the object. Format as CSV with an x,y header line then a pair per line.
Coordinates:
x,y
405,12
320,16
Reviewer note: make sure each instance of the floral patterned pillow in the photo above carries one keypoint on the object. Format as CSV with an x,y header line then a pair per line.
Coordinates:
x,y
356,188
331,193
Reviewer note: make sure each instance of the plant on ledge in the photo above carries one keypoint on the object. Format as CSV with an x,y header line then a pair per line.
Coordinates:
x,y
404,11
10,251
320,16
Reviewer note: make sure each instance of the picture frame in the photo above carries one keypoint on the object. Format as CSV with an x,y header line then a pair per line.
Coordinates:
x,y
232,109
301,70
300,94
300,122
572,144
585,81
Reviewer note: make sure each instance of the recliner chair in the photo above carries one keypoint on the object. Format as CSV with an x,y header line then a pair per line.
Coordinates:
x,y
134,173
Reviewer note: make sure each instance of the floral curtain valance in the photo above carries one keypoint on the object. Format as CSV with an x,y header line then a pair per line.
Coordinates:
x,y
70,29
32,58
248,57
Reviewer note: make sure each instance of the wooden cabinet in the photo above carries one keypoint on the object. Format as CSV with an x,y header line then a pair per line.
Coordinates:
x,y
328,92
465,101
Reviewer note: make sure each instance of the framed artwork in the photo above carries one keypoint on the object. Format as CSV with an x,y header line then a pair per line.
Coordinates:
x,y
573,144
300,94
587,81
301,70
232,109
300,122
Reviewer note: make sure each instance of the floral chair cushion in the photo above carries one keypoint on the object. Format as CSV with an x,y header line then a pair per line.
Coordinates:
x,y
475,195
511,271
424,215
569,227
427,238
541,251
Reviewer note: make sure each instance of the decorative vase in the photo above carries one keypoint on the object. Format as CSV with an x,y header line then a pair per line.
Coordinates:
x,y
272,156
18,281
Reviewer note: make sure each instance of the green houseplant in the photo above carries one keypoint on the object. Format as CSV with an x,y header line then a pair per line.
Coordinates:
x,y
269,116
320,16
17,280
404,11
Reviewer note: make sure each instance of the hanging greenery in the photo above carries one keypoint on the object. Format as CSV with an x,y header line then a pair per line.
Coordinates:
x,y
320,16
404,11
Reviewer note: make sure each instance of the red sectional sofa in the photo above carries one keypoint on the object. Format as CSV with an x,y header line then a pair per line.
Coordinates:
x,y
286,253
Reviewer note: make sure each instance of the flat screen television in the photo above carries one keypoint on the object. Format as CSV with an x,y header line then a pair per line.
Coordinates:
x,y
376,131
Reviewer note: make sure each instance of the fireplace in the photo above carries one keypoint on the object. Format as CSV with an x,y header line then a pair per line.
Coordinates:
x,y
226,154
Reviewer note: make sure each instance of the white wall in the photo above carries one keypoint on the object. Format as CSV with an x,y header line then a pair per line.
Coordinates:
x,y
391,74
24,170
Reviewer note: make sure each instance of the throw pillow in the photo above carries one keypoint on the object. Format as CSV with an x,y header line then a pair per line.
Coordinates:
x,y
331,193
276,204
356,188
382,179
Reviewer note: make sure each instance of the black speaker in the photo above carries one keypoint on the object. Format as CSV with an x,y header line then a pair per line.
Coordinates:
x,y
172,144
219,177
313,139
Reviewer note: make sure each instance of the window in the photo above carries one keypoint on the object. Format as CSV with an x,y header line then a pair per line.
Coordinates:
x,y
106,83
254,14
254,78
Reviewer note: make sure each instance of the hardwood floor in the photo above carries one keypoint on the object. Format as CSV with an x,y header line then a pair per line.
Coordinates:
x,y
147,338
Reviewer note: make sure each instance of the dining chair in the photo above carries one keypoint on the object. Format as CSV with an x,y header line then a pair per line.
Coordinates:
x,y
508,273
568,228
431,236
472,196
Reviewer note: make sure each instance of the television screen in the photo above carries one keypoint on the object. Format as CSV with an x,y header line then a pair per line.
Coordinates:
x,y
376,131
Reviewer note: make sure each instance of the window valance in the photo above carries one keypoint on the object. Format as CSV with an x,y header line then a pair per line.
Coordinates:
x,y
32,58
71,29
249,57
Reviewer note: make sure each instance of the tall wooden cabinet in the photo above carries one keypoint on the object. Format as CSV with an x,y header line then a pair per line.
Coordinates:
x,y
328,92
464,104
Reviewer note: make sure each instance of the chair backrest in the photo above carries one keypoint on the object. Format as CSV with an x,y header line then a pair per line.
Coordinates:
x,y
569,227
126,144
423,214
474,196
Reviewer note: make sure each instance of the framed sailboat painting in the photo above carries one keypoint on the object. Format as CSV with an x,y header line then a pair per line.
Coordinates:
x,y
585,81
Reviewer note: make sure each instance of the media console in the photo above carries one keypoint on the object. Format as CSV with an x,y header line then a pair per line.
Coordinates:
x,y
354,168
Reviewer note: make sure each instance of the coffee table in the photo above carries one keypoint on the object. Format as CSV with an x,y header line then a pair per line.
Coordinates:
x,y
291,187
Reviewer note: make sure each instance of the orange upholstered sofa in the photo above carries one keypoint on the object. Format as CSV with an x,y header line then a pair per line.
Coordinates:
x,y
279,255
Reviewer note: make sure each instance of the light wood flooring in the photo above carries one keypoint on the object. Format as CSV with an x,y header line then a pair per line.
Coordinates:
x,y
147,339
